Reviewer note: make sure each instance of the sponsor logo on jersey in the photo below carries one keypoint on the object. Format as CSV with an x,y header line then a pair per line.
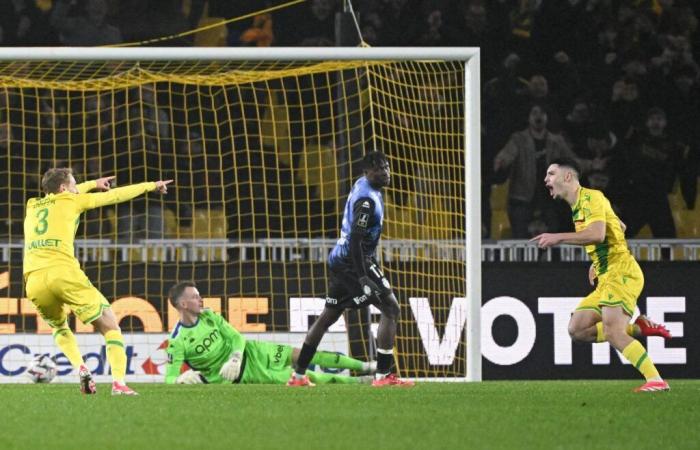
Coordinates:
x,y
331,301
207,342
278,354
42,243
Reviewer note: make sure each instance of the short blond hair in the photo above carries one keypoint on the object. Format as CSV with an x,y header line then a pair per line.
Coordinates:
x,y
54,178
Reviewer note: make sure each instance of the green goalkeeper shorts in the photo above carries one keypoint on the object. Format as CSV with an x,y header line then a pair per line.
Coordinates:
x,y
266,363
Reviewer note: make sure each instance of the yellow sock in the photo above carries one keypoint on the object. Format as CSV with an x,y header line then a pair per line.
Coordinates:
x,y
637,355
116,354
600,337
65,339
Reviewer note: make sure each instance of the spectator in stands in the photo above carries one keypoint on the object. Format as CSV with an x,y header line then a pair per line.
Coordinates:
x,y
602,144
653,160
371,27
527,155
402,26
317,25
577,126
537,93
22,23
87,27
681,101
522,18
601,68
260,33
500,93
139,20
433,34
466,23
626,107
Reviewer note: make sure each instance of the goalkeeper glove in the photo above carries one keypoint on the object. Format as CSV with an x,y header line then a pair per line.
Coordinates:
x,y
369,287
190,377
232,369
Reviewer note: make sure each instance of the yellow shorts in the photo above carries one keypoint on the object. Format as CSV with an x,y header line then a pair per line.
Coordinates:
x,y
55,291
620,286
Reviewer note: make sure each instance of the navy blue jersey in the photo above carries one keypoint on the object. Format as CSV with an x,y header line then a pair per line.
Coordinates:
x,y
361,228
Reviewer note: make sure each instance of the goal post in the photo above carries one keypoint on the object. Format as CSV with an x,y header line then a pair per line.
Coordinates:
x,y
264,144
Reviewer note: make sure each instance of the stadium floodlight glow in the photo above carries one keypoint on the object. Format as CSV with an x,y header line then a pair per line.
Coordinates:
x,y
308,112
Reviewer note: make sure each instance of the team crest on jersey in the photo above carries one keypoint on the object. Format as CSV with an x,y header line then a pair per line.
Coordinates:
x,y
362,220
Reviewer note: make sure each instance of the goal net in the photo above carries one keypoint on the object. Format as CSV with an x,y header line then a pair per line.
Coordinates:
x,y
263,154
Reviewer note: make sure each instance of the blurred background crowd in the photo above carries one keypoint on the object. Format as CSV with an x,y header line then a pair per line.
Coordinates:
x,y
613,83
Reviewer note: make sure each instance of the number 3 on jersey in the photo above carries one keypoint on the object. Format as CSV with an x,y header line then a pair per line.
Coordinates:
x,y
43,224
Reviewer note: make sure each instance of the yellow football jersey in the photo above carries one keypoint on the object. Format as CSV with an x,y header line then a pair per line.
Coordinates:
x,y
51,222
592,206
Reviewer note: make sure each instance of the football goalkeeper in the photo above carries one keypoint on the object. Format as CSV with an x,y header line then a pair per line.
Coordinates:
x,y
217,353
53,279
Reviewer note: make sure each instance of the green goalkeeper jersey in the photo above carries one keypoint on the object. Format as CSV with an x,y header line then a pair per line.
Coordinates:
x,y
204,346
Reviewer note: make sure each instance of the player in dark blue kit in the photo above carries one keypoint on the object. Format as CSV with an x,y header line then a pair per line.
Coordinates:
x,y
356,280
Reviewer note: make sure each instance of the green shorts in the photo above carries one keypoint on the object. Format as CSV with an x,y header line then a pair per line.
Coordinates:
x,y
266,363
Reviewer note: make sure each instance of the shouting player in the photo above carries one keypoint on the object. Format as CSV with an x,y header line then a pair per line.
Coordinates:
x,y
604,314
356,281
217,353
54,281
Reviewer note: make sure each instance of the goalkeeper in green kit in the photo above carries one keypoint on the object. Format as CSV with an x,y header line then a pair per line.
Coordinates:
x,y
217,353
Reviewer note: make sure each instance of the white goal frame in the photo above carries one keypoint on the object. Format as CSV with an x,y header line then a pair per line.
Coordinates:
x,y
472,126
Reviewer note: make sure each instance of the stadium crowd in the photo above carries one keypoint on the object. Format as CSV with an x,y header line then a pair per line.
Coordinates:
x,y
613,83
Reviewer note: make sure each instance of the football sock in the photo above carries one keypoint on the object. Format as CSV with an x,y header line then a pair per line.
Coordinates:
x,y
384,360
336,361
637,355
305,355
329,378
600,336
116,355
65,340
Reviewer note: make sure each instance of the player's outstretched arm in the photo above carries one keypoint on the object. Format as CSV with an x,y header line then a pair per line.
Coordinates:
x,y
103,184
592,234
121,194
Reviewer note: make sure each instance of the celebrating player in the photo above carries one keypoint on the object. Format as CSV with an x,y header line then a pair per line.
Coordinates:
x,y
356,280
217,353
54,281
605,313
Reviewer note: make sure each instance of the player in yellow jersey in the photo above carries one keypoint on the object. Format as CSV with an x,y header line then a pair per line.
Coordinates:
x,y
604,315
54,282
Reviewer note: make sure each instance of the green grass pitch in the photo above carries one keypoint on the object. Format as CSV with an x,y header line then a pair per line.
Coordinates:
x,y
489,415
